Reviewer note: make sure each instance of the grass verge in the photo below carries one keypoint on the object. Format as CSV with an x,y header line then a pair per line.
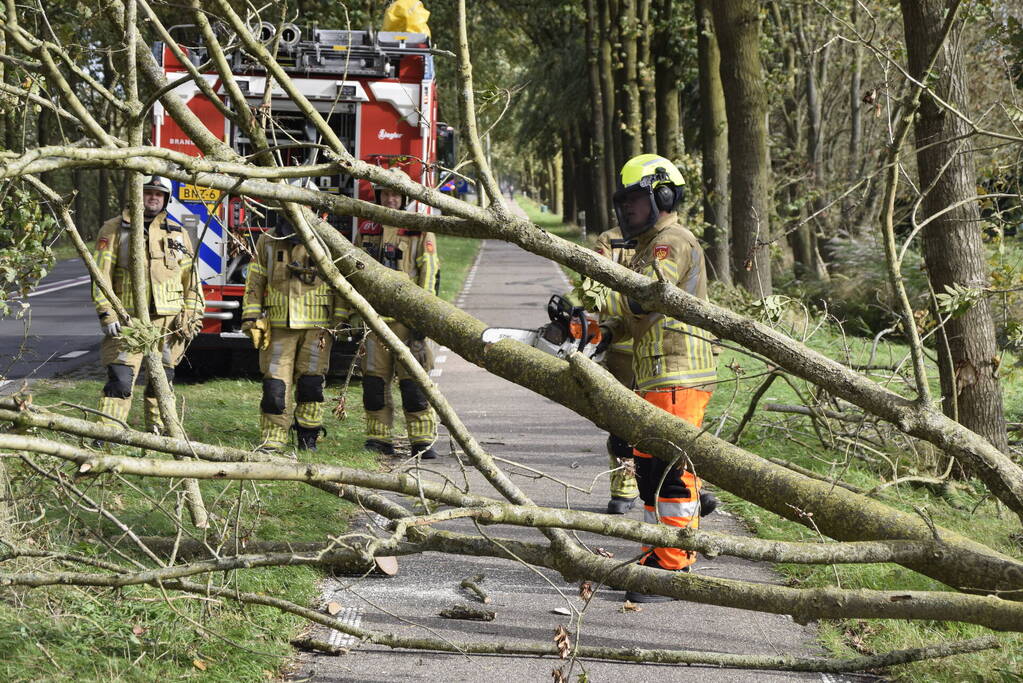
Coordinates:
x,y
142,633
881,456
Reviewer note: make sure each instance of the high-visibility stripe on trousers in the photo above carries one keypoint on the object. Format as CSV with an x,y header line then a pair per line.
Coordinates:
x,y
677,501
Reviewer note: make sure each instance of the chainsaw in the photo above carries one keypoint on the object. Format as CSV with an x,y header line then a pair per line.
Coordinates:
x,y
570,329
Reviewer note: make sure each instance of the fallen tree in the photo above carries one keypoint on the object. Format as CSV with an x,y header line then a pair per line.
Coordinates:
x,y
868,529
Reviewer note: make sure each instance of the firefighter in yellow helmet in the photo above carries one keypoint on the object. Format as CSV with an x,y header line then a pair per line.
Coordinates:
x,y
175,299
672,360
618,361
413,253
289,313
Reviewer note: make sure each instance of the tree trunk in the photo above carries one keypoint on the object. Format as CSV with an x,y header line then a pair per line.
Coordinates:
x,y
714,131
646,77
632,116
666,79
737,26
598,151
953,250
569,172
850,214
607,91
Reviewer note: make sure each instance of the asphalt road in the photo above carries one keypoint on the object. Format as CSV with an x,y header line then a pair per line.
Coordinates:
x,y
57,333
510,288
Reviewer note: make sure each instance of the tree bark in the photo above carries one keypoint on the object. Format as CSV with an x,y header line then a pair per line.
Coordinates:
x,y
666,83
646,77
598,168
714,135
608,91
632,115
953,250
737,26
569,171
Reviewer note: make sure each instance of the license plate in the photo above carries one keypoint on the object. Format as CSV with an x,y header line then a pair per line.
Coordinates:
x,y
197,193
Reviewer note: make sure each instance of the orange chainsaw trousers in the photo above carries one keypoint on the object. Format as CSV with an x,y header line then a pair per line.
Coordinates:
x,y
670,493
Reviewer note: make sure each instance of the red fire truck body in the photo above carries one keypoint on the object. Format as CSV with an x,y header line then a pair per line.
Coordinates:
x,y
376,91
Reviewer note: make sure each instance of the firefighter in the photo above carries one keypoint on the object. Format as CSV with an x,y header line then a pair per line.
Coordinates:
x,y
618,361
413,253
289,313
673,361
175,300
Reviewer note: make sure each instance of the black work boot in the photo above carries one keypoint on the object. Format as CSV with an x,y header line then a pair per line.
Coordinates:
x,y
378,446
424,451
708,503
306,437
619,506
637,597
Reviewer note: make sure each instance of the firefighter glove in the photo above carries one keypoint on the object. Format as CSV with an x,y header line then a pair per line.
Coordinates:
x,y
187,324
259,332
112,329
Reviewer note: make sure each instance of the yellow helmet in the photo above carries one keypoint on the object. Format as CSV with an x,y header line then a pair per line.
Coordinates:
x,y
647,180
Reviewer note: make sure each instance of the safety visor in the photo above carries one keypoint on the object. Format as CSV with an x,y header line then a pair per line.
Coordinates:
x,y
635,207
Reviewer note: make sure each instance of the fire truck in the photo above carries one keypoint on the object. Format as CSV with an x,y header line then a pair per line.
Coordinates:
x,y
377,92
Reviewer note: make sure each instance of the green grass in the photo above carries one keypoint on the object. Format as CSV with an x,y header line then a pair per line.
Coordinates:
x,y
962,508
89,632
456,256
551,222
134,634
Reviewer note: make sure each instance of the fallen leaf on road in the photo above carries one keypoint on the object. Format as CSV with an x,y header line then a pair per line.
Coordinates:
x,y
563,611
629,606
586,590
333,608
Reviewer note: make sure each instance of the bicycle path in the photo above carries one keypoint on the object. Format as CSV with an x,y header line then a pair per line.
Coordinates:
x,y
508,287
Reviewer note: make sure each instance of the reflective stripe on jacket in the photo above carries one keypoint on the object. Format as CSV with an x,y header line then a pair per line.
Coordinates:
x,y
173,283
283,282
666,352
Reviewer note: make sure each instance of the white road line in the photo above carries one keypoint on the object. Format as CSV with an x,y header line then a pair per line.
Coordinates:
x,y
62,284
436,372
440,359
74,354
5,382
349,616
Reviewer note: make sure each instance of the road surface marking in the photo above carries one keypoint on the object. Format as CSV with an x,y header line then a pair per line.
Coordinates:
x,y
440,359
436,372
74,354
62,284
349,616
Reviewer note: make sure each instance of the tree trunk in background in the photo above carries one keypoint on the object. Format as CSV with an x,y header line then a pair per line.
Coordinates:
x,y
714,136
855,168
814,68
608,92
583,138
557,179
598,168
646,77
666,80
632,116
567,205
953,250
737,26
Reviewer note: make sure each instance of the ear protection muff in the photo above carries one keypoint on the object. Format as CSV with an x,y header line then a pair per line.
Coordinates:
x,y
664,197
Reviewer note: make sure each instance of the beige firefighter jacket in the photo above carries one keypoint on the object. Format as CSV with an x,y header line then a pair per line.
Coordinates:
x,y
283,282
410,252
666,352
173,283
